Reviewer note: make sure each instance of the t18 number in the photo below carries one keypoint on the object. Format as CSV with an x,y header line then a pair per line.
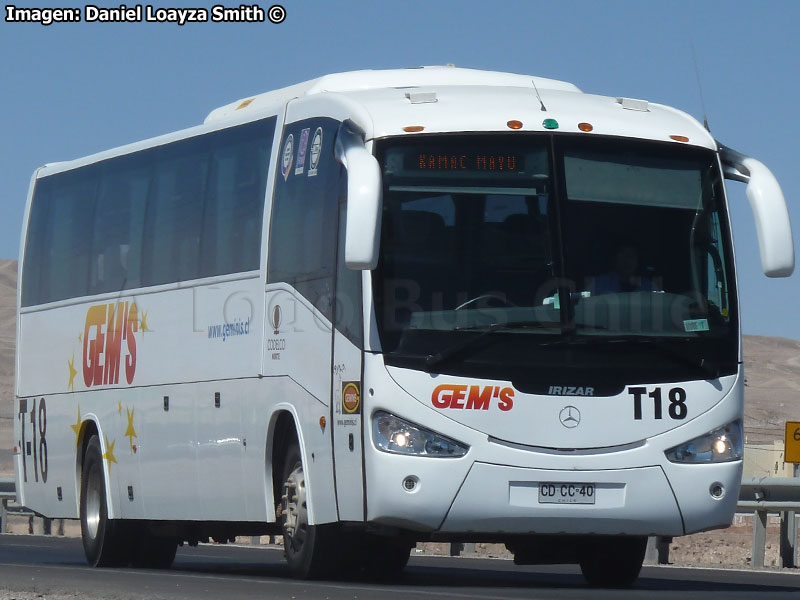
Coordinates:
x,y
36,448
676,408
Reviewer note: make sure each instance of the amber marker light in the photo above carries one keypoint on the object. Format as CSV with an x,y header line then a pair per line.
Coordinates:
x,y
514,124
679,138
322,422
587,127
413,128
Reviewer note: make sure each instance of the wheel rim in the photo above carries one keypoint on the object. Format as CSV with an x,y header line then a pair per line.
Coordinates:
x,y
295,525
94,492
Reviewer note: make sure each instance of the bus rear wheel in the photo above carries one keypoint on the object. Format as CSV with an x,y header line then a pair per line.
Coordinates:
x,y
310,550
155,552
613,562
106,541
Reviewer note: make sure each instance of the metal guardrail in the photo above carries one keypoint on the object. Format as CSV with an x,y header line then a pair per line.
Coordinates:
x,y
7,487
763,495
759,495
8,506
8,492
783,493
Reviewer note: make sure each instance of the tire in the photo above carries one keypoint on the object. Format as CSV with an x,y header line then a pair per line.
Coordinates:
x,y
613,562
105,541
155,552
310,550
384,558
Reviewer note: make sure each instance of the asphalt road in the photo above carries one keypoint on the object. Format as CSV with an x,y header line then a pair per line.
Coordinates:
x,y
56,565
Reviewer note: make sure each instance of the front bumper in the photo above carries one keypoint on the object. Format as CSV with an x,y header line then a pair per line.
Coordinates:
x,y
502,499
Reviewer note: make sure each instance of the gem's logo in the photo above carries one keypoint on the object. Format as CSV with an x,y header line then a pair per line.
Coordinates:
x,y
472,397
351,398
276,319
108,333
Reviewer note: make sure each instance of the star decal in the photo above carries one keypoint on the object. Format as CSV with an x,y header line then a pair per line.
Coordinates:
x,y
109,454
143,322
77,427
72,373
130,432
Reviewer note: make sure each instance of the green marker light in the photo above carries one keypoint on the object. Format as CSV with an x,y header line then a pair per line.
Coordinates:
x,y
550,124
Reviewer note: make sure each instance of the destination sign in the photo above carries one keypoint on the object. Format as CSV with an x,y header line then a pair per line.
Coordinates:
x,y
472,161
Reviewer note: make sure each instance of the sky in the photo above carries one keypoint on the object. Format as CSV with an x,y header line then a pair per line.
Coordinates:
x,y
72,89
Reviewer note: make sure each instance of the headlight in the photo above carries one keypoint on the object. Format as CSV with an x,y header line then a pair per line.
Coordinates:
x,y
398,436
721,445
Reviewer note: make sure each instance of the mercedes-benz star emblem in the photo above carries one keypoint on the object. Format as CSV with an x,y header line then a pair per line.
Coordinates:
x,y
570,417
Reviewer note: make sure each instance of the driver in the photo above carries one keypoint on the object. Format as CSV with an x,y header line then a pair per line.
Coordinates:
x,y
625,277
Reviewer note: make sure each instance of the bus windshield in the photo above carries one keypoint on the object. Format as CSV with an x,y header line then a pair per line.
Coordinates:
x,y
504,254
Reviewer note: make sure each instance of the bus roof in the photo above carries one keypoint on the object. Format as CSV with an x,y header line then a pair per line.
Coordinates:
x,y
355,81
445,99
449,99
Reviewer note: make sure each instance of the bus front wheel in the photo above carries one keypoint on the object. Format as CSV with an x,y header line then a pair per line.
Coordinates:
x,y
309,549
384,557
105,542
613,562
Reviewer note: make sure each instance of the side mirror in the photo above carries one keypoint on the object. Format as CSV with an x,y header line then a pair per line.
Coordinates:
x,y
364,198
770,214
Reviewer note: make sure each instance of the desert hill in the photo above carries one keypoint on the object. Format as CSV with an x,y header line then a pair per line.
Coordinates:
x,y
8,332
772,386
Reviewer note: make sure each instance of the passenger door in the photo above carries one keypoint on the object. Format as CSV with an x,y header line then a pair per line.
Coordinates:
x,y
314,311
346,388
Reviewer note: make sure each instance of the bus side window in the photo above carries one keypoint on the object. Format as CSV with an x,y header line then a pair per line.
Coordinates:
x,y
68,239
172,230
118,224
140,219
302,240
35,269
234,204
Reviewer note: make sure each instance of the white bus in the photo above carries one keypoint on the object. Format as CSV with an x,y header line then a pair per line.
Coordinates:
x,y
385,307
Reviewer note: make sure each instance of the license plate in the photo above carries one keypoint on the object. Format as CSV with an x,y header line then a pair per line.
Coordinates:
x,y
566,493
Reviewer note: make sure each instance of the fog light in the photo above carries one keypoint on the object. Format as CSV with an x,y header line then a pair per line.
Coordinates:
x,y
410,483
717,490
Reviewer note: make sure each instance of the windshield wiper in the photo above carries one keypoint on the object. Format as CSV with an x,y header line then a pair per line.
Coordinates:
x,y
706,365
433,360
